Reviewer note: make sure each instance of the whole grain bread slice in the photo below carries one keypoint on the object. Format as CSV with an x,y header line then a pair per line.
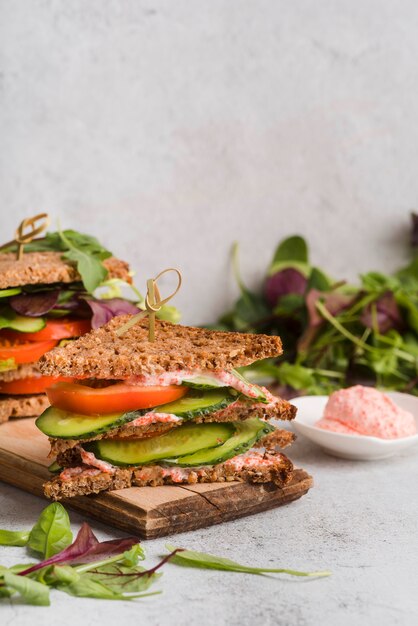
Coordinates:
x,y
258,468
238,411
102,354
46,268
22,406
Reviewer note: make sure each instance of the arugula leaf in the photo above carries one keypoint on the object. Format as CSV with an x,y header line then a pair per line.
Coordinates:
x,y
32,591
52,532
88,255
190,558
13,537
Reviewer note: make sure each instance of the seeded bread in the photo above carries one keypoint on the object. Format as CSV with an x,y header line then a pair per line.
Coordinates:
x,y
102,354
38,268
22,406
238,411
271,468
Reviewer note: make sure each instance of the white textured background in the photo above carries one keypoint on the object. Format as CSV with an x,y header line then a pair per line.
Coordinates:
x,y
169,128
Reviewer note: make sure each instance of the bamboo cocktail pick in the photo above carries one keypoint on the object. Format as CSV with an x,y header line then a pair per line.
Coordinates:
x,y
22,238
153,304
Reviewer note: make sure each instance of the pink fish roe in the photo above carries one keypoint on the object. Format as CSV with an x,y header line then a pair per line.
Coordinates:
x,y
366,411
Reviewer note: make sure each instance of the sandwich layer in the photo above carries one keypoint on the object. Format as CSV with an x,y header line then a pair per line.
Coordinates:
x,y
102,354
238,411
25,370
75,456
253,467
37,268
22,406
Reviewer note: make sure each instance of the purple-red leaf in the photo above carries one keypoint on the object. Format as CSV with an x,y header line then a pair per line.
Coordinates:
x,y
105,310
85,549
34,304
388,315
283,283
333,301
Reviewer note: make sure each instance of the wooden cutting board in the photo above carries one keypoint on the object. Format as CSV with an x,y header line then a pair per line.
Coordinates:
x,y
145,511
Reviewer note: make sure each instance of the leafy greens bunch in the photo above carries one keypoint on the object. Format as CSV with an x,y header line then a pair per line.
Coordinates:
x,y
87,568
335,334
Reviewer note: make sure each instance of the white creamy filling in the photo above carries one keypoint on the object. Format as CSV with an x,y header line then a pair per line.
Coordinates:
x,y
248,460
155,418
228,379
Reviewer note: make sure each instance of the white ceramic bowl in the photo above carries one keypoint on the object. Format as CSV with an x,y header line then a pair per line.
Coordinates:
x,y
356,447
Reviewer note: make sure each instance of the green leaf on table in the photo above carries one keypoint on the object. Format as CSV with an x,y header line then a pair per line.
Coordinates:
x,y
132,556
52,532
61,575
32,591
114,581
14,537
190,558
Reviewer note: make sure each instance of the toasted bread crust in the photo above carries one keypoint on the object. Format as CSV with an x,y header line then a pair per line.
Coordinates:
x,y
22,406
37,268
102,354
278,470
238,411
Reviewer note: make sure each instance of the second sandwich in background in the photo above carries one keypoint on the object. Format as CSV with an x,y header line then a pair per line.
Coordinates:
x,y
46,298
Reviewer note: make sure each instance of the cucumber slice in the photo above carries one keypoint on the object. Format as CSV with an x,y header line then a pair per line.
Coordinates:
x,y
245,436
197,403
65,425
209,381
54,468
185,439
10,319
260,395
14,291
203,381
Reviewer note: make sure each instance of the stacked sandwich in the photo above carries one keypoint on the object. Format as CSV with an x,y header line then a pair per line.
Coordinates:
x,y
165,412
43,301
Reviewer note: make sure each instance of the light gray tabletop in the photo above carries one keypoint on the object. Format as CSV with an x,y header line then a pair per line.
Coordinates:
x,y
360,520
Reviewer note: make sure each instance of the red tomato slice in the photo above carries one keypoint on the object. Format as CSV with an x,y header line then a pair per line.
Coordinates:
x,y
24,352
54,329
117,398
31,385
